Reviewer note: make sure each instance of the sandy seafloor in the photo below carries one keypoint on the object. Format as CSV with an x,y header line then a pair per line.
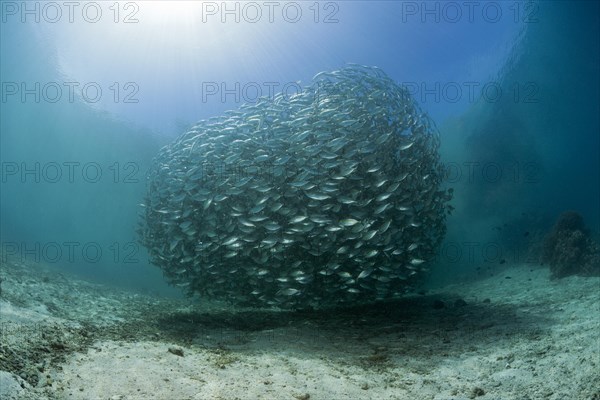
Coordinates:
x,y
520,335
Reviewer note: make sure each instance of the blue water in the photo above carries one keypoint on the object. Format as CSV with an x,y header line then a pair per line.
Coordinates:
x,y
517,157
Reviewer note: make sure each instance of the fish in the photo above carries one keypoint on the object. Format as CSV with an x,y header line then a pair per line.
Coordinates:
x,y
365,273
288,292
347,222
383,196
297,219
332,196
346,200
317,196
371,253
407,146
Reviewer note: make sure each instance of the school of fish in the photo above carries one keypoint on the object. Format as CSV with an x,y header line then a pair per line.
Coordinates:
x,y
327,197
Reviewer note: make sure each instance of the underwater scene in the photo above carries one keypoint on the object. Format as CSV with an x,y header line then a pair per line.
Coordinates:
x,y
299,200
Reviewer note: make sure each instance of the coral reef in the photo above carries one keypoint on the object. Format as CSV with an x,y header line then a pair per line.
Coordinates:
x,y
569,249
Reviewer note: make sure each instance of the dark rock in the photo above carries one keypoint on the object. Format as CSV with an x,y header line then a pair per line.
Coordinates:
x,y
176,350
569,221
57,346
569,249
476,392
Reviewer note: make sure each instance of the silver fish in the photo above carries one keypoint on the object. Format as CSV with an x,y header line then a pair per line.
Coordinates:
x,y
326,197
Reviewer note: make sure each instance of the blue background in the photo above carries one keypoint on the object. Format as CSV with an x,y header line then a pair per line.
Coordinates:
x,y
542,132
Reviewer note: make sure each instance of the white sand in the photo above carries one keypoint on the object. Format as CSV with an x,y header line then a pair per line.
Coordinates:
x,y
534,339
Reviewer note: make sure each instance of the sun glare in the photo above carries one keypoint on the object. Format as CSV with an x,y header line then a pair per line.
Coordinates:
x,y
175,14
